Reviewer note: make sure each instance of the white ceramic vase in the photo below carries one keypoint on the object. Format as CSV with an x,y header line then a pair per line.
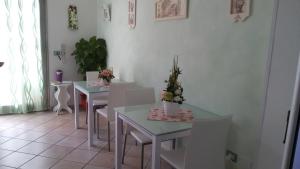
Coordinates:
x,y
170,108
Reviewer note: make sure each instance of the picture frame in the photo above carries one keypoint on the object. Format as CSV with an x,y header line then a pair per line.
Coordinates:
x,y
72,17
170,9
240,10
131,13
106,12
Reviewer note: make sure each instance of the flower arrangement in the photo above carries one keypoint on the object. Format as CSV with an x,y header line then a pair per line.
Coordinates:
x,y
173,92
106,74
72,17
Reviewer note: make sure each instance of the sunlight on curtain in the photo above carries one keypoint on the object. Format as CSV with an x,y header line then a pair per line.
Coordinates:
x,y
22,83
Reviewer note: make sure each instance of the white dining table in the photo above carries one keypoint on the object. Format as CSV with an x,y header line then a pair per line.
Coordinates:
x,y
157,131
92,90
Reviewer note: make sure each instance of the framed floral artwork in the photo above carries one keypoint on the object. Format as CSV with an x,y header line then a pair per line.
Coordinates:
x,y
106,12
239,9
170,9
72,17
131,13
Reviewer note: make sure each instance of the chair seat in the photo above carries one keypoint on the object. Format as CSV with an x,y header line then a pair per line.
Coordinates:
x,y
140,137
102,112
174,158
99,102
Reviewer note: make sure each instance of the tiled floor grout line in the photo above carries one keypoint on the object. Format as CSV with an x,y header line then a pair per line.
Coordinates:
x,y
31,141
61,159
61,126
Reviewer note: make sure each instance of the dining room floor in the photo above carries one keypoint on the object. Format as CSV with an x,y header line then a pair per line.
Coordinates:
x,y
44,140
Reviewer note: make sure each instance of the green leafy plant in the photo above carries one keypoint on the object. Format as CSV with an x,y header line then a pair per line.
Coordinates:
x,y
173,92
90,54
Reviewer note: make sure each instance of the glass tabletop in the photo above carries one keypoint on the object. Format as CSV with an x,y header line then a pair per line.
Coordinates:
x,y
138,115
92,86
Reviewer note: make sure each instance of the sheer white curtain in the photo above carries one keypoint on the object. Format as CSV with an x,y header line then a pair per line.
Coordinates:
x,y
22,86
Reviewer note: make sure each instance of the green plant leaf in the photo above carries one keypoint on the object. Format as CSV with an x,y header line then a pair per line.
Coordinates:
x,y
90,54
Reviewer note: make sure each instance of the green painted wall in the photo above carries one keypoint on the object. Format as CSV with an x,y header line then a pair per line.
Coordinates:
x,y
223,62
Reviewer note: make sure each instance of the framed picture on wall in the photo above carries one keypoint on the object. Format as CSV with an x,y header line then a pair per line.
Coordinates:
x,y
170,9
72,17
239,9
131,13
106,12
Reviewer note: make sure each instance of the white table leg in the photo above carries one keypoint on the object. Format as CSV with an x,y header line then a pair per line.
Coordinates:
x,y
56,96
55,108
62,96
156,145
76,106
90,120
118,145
66,99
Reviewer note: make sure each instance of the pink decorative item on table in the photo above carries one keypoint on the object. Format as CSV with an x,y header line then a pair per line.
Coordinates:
x,y
182,115
106,75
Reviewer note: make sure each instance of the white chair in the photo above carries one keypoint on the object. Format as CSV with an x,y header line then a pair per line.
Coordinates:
x,y
116,72
115,99
206,147
101,100
133,97
91,76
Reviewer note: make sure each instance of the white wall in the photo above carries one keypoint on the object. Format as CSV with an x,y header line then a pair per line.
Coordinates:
x,y
59,33
223,62
284,59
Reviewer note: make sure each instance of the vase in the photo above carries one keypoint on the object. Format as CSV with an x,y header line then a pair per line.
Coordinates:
x,y
170,108
105,82
59,75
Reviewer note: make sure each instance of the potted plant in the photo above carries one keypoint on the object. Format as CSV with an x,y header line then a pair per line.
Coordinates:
x,y
89,56
106,75
172,96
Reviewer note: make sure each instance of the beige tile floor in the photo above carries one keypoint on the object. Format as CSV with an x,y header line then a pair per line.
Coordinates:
x,y
44,140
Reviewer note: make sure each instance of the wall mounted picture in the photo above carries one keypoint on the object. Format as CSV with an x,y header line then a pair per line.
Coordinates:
x,y
170,9
239,10
131,13
72,17
106,12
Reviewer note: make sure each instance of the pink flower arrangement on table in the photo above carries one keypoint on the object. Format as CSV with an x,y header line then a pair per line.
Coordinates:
x,y
106,74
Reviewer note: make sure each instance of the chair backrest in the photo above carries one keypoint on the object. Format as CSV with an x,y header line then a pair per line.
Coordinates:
x,y
207,144
138,96
116,97
92,75
116,73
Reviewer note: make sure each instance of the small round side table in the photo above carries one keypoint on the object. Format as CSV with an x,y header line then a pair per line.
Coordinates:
x,y
62,96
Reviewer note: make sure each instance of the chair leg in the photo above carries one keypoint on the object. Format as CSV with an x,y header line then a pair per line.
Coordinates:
x,y
86,115
124,147
98,127
108,135
94,111
142,157
122,128
174,144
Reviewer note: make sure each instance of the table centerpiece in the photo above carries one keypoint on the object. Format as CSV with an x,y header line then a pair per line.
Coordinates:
x,y
106,75
172,96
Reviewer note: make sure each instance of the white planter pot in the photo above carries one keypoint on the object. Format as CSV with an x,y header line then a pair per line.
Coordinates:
x,y
170,108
